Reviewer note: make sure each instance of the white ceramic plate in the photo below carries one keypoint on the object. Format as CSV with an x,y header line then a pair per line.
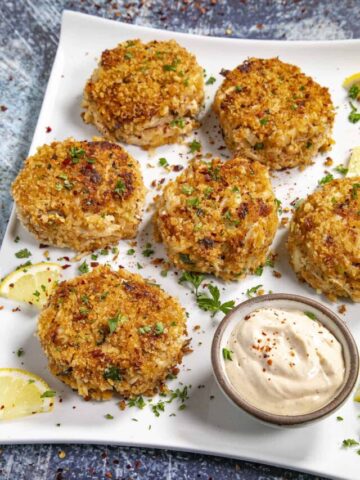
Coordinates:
x,y
210,424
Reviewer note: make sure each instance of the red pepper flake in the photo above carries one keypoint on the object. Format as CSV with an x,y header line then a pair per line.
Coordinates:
x,y
1,307
276,274
48,129
64,267
17,309
177,168
43,245
269,362
94,264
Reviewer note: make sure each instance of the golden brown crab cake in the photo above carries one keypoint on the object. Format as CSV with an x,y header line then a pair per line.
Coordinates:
x,y
112,332
218,218
145,94
324,239
272,112
79,194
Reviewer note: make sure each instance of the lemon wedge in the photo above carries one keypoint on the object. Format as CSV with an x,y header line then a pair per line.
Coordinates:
x,y
32,283
23,393
354,163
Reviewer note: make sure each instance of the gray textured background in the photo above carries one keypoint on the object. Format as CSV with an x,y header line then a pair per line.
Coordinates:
x,y
29,31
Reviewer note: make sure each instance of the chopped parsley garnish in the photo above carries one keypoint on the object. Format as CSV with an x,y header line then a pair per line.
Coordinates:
x,y
148,251
164,273
354,92
311,315
210,80
250,292
208,191
354,191
115,321
76,154
339,419
349,442
264,121
83,311
238,88
112,373
109,417
48,394
163,162
309,144
259,271
120,187
341,169
145,329
138,402
139,266
157,408
187,189
131,251
195,279
259,146
84,267
24,253
128,55
36,294
184,257
159,328
193,202
214,173
17,239
195,146
20,352
94,256
354,115
278,206
213,303
104,251
178,122
227,354
326,179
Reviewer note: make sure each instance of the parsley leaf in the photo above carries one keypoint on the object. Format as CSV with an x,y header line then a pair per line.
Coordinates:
x,y
115,321
163,162
326,179
311,315
120,187
195,146
24,253
341,169
48,394
250,292
112,373
227,354
213,303
354,116
195,279
84,267
349,442
210,80
354,92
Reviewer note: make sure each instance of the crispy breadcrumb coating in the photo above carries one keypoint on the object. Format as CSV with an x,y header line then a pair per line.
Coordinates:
x,y
146,94
272,112
218,217
324,239
79,194
112,332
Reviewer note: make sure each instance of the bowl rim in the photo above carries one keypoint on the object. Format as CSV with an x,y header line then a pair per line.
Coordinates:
x,y
272,418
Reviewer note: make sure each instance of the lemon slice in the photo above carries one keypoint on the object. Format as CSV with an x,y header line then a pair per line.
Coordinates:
x,y
23,393
354,163
32,283
351,80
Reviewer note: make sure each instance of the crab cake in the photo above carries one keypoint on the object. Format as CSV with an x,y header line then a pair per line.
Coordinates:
x,y
272,112
79,194
110,332
324,239
218,218
146,94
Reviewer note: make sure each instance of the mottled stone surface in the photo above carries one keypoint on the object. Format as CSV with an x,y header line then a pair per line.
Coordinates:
x,y
29,32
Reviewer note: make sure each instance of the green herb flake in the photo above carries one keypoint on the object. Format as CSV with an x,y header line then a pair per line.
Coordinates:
x,y
264,121
259,271
326,179
250,292
128,55
341,169
163,162
311,315
339,419
115,321
109,417
76,153
354,115
210,80
195,279
193,202
84,267
139,266
112,373
194,146
131,251
238,88
145,329
104,251
24,253
349,442
94,256
17,239
354,191
178,122
354,92
120,187
20,352
278,204
164,273
184,257
227,354
48,394
148,250
159,328
259,146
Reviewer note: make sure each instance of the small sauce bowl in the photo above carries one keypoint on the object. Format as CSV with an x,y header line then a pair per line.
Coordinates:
x,y
286,302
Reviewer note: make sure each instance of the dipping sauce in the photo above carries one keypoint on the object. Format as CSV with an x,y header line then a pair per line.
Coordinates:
x,y
284,361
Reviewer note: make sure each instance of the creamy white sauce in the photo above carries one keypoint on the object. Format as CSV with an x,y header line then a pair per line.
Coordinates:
x,y
284,362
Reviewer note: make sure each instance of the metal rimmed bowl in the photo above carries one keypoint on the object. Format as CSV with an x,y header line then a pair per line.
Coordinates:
x,y
287,302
